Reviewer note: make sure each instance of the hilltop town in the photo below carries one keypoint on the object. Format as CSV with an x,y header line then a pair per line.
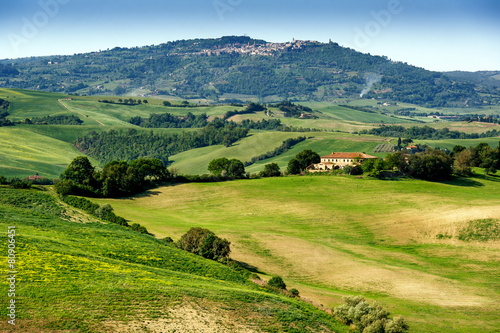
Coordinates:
x,y
267,49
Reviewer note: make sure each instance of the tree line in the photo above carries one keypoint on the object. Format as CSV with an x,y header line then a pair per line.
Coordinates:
x,y
167,120
117,178
132,144
285,146
427,133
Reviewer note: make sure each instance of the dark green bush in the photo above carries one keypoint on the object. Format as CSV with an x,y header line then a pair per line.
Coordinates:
x,y
205,243
276,282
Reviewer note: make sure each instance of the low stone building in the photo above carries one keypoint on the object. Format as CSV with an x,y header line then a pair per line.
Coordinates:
x,y
338,161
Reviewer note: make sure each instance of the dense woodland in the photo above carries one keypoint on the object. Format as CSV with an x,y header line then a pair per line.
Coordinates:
x,y
313,71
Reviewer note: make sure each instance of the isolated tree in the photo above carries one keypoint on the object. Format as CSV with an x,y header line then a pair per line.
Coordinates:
x,y
236,168
293,167
218,165
167,103
307,157
302,160
270,170
233,168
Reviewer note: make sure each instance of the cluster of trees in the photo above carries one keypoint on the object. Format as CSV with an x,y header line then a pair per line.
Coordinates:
x,y
167,120
205,243
250,108
222,167
436,164
364,317
481,156
301,161
291,110
286,145
132,144
126,101
426,133
117,179
270,170
55,120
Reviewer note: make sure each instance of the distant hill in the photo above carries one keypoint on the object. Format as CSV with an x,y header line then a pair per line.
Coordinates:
x,y
239,68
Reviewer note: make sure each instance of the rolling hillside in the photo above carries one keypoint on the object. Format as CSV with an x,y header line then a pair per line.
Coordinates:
x,y
395,241
99,278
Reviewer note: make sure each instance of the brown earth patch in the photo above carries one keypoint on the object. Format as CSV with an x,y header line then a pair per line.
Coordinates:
x,y
189,318
307,261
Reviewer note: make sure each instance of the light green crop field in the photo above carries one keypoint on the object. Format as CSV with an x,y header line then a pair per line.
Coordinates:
x,y
331,236
24,153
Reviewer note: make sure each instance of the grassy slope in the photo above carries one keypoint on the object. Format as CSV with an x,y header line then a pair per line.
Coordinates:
x,y
23,153
331,236
94,277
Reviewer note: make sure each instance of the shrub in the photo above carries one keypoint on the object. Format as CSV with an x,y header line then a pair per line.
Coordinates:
x,y
294,292
277,282
368,318
19,184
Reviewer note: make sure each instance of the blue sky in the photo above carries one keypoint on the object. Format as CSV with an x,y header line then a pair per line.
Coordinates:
x,y
434,34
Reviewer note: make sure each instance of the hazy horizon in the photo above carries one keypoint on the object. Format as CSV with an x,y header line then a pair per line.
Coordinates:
x,y
445,36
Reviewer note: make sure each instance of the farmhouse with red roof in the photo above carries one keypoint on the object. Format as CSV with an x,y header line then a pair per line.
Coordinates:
x,y
338,161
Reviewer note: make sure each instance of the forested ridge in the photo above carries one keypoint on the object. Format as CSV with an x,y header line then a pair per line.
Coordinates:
x,y
197,69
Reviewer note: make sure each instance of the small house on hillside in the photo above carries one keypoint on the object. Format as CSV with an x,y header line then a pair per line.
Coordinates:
x,y
338,161
34,177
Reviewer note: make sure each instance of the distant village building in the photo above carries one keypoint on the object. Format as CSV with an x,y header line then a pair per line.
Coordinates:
x,y
338,161
34,177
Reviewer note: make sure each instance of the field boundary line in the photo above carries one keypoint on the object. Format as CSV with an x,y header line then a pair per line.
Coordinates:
x,y
80,113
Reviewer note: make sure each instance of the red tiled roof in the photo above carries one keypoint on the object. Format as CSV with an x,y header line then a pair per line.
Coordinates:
x,y
348,155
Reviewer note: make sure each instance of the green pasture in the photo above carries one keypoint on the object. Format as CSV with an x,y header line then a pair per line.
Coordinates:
x,y
331,236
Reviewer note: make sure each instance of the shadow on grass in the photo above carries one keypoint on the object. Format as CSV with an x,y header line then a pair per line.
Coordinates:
x,y
249,267
461,181
491,178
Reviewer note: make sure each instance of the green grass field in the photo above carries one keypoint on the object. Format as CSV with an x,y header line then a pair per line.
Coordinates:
x,y
95,277
330,236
